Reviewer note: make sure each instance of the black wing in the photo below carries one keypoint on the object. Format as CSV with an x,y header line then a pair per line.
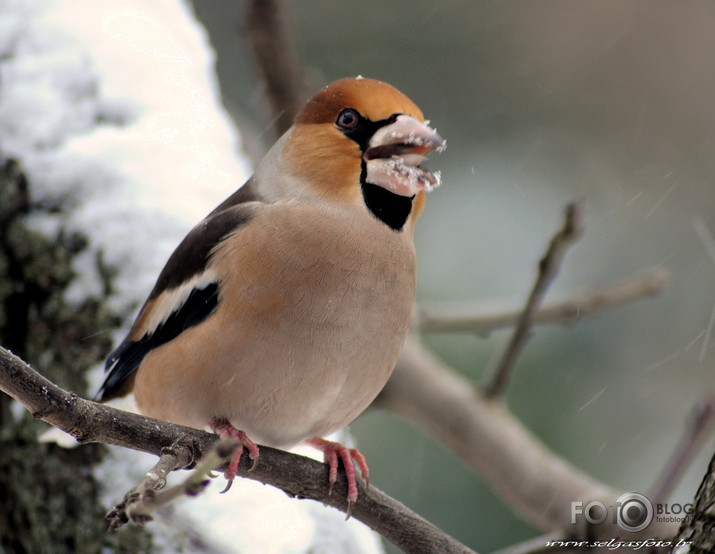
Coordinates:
x,y
184,304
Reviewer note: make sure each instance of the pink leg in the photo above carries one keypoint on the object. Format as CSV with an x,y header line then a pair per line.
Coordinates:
x,y
224,428
349,456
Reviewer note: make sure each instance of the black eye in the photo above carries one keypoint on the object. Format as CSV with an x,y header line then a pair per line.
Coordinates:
x,y
348,119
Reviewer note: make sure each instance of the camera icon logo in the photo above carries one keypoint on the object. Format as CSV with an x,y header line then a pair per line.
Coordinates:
x,y
634,512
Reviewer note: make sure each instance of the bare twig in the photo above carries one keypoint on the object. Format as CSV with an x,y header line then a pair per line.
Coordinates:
x,y
474,318
155,479
548,269
693,439
296,475
269,33
532,480
143,500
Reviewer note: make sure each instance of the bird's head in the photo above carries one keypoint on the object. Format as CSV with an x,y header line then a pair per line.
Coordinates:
x,y
361,142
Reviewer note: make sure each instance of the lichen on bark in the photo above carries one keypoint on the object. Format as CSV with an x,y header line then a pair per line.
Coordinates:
x,y
50,498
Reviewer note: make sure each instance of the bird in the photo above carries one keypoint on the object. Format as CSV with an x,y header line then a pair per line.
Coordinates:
x,y
279,318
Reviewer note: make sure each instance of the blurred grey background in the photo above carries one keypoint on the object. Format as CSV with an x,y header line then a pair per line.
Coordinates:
x,y
607,102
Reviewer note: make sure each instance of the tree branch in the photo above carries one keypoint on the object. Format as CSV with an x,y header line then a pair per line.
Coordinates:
x,y
296,475
269,34
548,269
532,480
473,318
696,431
143,500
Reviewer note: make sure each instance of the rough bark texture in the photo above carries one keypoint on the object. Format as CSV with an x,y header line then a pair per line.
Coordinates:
x,y
48,494
699,530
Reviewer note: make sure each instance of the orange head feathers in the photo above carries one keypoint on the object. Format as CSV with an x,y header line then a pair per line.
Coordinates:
x,y
375,100
362,140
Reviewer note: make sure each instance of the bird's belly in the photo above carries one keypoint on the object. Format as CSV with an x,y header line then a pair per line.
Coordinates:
x,y
309,388
297,357
280,383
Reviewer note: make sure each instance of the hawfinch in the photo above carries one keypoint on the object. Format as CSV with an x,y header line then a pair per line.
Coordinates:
x,y
281,315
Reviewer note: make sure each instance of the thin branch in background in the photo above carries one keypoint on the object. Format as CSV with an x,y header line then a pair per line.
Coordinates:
x,y
697,430
474,318
548,269
533,481
269,32
296,475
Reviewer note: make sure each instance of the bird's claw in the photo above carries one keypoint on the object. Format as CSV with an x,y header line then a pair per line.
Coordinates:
x,y
224,429
333,451
229,484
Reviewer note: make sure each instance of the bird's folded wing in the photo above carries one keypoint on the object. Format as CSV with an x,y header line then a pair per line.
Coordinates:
x,y
185,294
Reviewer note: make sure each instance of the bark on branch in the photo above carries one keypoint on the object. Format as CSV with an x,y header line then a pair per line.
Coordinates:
x,y
698,529
144,499
296,475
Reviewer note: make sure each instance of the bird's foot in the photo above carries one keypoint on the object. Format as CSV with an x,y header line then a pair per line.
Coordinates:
x,y
349,456
223,428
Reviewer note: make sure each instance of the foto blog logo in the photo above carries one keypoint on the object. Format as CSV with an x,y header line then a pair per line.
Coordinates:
x,y
632,512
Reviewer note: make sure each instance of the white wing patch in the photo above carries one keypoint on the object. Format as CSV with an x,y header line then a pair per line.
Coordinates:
x,y
170,301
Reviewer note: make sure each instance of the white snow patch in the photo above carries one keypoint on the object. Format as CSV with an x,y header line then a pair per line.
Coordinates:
x,y
112,107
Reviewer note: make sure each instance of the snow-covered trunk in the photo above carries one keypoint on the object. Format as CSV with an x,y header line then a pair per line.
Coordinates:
x,y
110,113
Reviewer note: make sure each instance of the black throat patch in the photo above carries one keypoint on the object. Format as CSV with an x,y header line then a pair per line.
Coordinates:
x,y
390,208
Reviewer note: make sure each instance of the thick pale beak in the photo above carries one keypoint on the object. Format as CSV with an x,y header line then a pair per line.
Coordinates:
x,y
394,155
